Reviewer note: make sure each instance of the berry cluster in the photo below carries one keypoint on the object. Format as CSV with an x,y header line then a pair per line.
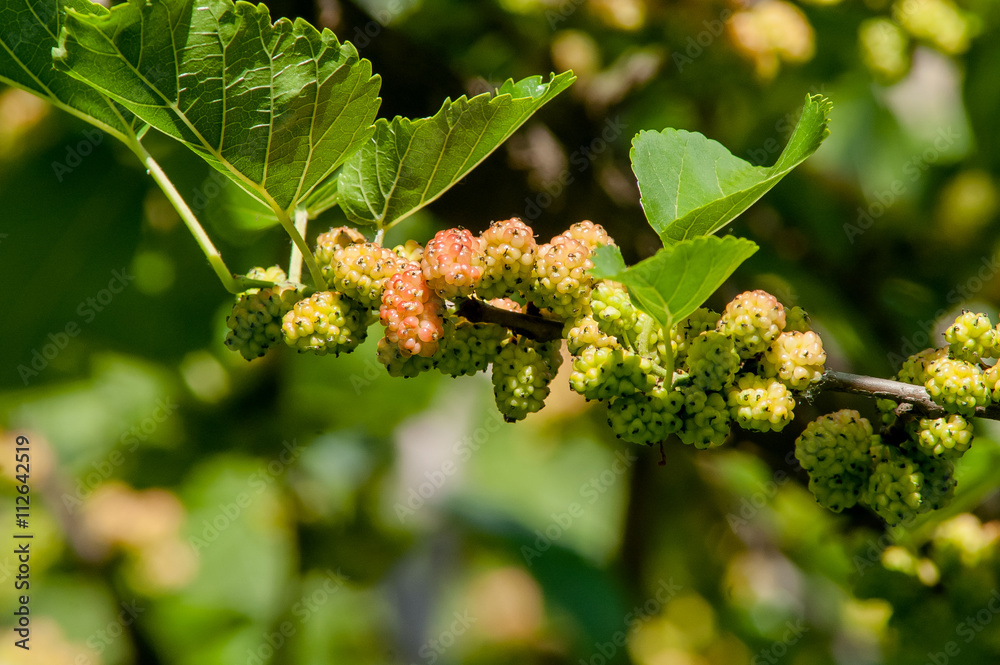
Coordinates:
x,y
694,380
908,468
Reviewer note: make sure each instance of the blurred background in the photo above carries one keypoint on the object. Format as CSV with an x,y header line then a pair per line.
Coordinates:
x,y
191,508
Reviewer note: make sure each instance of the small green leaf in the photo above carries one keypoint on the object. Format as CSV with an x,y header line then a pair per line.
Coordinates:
x,y
409,163
692,186
28,33
277,108
608,262
676,280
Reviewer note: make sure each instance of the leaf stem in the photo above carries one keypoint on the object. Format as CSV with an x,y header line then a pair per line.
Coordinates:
x,y
230,282
298,241
295,261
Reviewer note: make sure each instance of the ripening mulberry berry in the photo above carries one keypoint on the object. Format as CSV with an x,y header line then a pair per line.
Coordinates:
x,y
835,450
326,322
646,418
522,372
560,278
411,314
255,322
956,385
712,361
760,404
797,359
584,333
590,234
612,308
991,377
468,348
453,263
360,271
272,274
336,238
942,437
699,321
507,304
508,249
753,319
399,365
706,420
971,337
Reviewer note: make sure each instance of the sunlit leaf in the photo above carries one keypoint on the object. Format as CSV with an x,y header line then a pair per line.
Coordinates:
x,y
692,186
676,280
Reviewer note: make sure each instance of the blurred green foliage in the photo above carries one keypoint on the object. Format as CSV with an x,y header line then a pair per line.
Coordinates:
x,y
192,508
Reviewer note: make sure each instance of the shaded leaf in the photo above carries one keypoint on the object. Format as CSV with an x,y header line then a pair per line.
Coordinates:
x,y
692,186
409,163
28,32
275,107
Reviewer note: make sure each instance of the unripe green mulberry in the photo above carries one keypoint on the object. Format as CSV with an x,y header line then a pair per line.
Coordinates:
x,y
906,483
522,372
712,361
612,308
914,368
760,404
753,319
360,271
508,249
326,322
646,418
561,279
701,320
706,420
468,348
942,437
895,486
797,359
399,365
255,323
971,337
956,385
835,450
797,320
605,372
453,263
887,410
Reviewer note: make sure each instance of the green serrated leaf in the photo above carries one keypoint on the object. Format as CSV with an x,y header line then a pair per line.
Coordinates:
x,y
409,163
692,186
676,280
28,32
277,108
